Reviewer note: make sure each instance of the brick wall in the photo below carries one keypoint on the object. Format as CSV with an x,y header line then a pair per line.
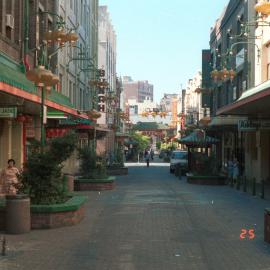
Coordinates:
x,y
50,220
56,220
94,186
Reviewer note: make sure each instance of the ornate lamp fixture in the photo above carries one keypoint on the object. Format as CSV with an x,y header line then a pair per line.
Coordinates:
x,y
215,75
42,77
263,7
232,74
93,115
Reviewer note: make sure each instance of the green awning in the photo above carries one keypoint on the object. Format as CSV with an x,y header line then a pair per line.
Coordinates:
x,y
53,114
76,122
198,139
13,74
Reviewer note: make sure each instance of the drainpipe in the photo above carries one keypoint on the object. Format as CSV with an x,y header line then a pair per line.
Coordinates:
x,y
25,34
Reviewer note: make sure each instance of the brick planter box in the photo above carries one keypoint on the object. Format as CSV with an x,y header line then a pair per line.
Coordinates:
x,y
267,225
2,216
53,216
117,171
214,180
58,215
81,184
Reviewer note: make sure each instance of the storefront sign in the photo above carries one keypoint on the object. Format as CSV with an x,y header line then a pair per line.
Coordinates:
x,y
253,125
10,112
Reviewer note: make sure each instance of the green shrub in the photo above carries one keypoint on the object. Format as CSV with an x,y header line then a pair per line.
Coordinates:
x,y
91,166
42,178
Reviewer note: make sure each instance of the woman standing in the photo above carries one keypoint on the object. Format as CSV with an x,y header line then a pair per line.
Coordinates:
x,y
9,178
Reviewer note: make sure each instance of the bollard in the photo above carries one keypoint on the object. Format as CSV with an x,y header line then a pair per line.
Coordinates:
x,y
238,183
245,184
4,246
231,181
254,186
262,191
180,173
176,170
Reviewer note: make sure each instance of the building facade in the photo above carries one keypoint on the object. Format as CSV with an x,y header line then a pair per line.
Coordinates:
x,y
138,90
23,27
232,54
107,61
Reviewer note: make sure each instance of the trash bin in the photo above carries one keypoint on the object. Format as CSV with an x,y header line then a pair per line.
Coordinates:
x,y
70,182
18,218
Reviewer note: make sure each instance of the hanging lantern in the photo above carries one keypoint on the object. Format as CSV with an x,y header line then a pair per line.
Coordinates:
x,y
154,114
263,7
224,74
93,115
48,36
71,37
232,74
36,75
215,75
59,35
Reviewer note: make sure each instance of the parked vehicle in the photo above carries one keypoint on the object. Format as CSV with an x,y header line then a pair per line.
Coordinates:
x,y
179,157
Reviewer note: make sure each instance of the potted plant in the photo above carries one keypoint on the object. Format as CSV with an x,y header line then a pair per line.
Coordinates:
x,y
93,172
205,170
42,180
116,163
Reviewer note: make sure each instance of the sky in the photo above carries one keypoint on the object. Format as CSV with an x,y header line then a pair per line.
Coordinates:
x,y
161,41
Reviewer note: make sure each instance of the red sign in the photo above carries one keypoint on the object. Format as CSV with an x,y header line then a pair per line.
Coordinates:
x,y
56,132
182,121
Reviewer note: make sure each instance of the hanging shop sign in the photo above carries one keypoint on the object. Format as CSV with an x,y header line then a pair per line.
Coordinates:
x,y
8,112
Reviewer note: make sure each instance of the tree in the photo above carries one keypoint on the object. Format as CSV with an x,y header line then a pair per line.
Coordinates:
x,y
141,140
42,178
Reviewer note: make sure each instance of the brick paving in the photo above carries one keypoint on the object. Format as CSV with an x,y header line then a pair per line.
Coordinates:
x,y
152,221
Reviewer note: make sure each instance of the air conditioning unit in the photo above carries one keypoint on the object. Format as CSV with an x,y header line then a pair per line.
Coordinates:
x,y
10,20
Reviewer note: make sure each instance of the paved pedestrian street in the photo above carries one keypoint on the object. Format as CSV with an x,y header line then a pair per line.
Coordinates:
x,y
152,220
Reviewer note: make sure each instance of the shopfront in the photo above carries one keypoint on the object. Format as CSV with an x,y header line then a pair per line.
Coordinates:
x,y
254,130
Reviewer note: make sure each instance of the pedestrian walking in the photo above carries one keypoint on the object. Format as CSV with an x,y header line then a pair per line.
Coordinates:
x,y
9,178
152,153
235,170
147,157
230,170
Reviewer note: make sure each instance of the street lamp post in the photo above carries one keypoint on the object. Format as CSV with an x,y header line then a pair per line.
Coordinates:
x,y
43,78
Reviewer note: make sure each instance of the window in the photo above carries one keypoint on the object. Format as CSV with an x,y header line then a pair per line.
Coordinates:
x,y
60,82
73,98
70,94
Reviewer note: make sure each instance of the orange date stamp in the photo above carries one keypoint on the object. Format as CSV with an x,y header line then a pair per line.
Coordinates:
x,y
247,234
